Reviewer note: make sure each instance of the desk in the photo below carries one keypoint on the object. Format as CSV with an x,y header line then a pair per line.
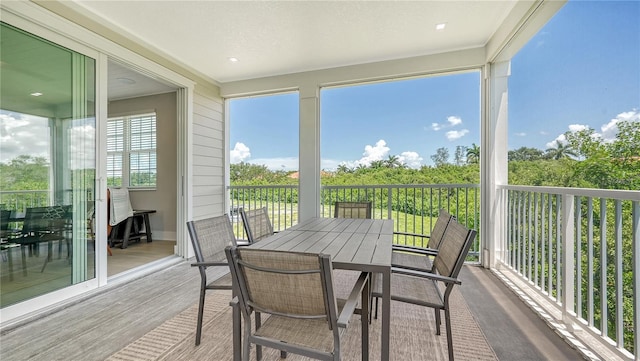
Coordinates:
x,y
354,244
133,228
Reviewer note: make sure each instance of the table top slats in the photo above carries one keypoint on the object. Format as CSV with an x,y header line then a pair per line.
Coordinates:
x,y
357,244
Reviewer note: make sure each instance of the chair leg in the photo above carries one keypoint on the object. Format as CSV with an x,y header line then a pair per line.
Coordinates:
x,y
200,315
376,316
246,345
438,320
237,330
24,260
258,347
447,319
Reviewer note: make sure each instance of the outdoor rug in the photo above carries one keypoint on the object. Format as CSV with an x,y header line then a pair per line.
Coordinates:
x,y
413,336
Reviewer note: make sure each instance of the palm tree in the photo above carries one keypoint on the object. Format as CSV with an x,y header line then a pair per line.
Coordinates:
x,y
342,168
560,151
376,164
473,154
393,162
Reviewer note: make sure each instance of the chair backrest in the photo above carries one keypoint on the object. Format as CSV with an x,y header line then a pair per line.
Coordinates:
x,y
352,210
5,214
290,284
46,219
256,223
210,236
444,218
453,249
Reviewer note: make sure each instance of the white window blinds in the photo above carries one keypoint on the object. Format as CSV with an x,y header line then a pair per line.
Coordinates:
x,y
131,151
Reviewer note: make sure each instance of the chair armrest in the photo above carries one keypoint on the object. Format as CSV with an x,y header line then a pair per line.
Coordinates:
x,y
350,306
431,276
411,234
208,264
412,249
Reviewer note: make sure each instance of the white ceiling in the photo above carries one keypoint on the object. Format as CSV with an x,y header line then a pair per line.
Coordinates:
x,y
281,37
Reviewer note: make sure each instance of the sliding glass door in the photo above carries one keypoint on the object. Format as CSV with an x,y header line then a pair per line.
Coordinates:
x,y
47,166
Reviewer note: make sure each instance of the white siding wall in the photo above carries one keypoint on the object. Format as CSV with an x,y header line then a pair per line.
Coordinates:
x,y
208,156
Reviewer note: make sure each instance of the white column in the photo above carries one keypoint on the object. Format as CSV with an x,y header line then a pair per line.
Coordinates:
x,y
493,159
309,160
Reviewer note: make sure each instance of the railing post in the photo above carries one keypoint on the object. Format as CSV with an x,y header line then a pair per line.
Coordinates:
x,y
389,203
636,278
568,260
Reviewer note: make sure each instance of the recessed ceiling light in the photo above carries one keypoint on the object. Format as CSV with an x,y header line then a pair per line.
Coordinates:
x,y
36,94
441,26
233,60
126,81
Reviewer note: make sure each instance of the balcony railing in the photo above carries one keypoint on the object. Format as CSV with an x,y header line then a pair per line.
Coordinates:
x,y
21,200
580,248
413,207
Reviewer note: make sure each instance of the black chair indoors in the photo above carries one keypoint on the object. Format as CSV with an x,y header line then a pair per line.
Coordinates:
x,y
42,225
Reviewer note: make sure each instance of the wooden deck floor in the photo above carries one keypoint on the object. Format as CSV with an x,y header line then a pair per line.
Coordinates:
x,y
98,326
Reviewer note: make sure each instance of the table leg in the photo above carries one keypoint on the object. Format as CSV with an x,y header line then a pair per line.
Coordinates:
x,y
147,227
386,313
127,233
364,317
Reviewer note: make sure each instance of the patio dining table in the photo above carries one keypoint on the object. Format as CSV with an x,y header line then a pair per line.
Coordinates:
x,y
354,244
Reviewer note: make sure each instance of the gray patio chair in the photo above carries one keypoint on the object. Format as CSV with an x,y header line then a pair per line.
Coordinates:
x,y
433,289
209,238
352,210
296,290
419,258
256,224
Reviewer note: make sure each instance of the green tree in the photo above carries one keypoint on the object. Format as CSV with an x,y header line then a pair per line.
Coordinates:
x,y
377,164
460,155
473,154
25,172
441,157
343,168
393,162
525,153
559,151
613,164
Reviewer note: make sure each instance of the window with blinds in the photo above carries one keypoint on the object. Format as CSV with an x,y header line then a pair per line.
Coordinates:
x,y
131,151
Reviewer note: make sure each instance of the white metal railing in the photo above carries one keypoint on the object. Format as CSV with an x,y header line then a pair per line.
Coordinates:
x,y
413,207
21,200
581,249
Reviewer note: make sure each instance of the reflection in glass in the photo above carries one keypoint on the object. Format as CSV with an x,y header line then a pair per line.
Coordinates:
x,y
47,166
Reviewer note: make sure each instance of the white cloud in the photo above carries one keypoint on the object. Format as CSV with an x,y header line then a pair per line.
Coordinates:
x,y
239,153
456,134
411,159
284,163
22,134
373,153
608,131
522,134
561,139
577,127
452,121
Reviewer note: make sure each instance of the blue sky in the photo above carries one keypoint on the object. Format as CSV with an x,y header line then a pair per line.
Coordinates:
x,y
582,69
